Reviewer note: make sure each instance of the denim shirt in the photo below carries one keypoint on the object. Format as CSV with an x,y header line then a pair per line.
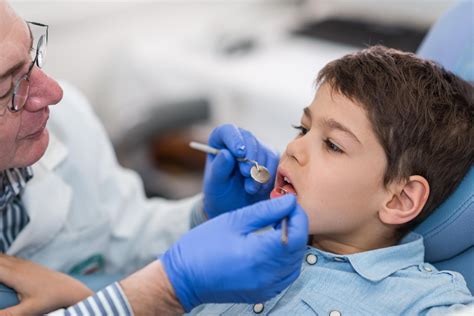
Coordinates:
x,y
386,281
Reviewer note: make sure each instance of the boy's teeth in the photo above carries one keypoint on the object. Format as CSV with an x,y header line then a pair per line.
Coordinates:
x,y
287,180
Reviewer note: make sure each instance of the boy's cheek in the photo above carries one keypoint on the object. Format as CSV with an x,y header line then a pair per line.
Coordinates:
x,y
313,222
322,218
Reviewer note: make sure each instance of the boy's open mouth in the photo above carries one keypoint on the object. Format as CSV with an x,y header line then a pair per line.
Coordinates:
x,y
283,185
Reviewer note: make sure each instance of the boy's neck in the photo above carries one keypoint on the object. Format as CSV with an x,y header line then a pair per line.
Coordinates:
x,y
346,245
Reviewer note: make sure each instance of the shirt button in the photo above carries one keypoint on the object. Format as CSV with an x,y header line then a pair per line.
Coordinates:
x,y
427,268
335,313
311,259
339,259
258,308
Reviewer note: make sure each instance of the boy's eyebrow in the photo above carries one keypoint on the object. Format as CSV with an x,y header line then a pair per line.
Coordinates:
x,y
20,64
333,124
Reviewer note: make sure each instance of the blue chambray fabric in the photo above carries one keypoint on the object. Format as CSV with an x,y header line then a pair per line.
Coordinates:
x,y
387,281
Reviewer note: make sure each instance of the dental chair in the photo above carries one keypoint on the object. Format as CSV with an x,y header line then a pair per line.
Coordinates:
x,y
449,231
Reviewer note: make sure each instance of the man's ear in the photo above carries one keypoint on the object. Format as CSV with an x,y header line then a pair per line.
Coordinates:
x,y
405,201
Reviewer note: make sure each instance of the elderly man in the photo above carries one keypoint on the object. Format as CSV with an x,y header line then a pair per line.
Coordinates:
x,y
65,203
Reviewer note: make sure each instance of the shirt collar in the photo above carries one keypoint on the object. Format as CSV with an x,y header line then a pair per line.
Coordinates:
x,y
12,183
375,265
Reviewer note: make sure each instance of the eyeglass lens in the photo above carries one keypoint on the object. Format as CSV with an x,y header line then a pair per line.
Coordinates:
x,y
21,93
22,87
41,51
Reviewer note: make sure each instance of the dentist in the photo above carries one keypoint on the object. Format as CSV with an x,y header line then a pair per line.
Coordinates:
x,y
65,203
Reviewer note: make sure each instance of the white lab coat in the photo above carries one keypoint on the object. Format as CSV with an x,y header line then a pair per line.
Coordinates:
x,y
84,206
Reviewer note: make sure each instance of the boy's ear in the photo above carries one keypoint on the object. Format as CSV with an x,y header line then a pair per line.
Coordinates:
x,y
405,201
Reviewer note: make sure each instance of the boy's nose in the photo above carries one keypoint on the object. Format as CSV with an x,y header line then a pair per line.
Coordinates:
x,y
44,91
296,150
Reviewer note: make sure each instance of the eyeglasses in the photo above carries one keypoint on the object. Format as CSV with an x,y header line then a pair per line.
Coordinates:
x,y
22,86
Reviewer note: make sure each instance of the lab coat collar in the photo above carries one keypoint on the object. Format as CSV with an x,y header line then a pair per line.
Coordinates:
x,y
47,199
376,265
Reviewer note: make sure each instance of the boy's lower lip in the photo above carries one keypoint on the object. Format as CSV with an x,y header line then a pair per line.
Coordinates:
x,y
280,191
275,193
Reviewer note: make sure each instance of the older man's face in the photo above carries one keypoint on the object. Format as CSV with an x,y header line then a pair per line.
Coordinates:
x,y
23,136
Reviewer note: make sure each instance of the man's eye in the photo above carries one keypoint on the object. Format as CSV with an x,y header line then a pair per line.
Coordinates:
x,y
7,95
332,147
302,130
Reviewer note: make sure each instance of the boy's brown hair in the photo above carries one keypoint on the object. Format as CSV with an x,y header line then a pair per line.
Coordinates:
x,y
422,115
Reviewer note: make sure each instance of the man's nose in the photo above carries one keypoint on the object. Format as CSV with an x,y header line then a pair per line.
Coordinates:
x,y
297,150
44,91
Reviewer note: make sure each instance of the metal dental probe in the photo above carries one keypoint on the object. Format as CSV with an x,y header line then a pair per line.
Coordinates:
x,y
284,224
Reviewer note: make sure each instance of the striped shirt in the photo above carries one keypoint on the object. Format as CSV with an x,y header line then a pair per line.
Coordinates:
x,y
13,215
109,301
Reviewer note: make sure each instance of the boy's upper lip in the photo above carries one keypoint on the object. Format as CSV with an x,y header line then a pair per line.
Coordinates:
x,y
281,175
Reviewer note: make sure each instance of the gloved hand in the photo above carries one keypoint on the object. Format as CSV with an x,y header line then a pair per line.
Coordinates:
x,y
222,261
227,182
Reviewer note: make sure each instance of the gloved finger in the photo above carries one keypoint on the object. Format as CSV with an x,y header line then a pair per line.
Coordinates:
x,y
297,229
222,165
274,250
271,240
272,165
286,268
296,257
290,278
297,222
282,284
251,145
228,136
251,186
264,213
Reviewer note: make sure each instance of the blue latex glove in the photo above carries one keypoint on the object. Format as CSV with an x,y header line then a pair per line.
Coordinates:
x,y
223,261
227,182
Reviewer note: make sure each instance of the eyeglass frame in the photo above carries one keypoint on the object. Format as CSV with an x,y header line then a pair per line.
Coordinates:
x,y
12,108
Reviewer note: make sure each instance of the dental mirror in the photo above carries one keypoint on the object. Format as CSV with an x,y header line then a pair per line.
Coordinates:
x,y
258,172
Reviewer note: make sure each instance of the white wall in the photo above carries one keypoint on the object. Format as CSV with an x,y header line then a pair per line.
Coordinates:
x,y
119,52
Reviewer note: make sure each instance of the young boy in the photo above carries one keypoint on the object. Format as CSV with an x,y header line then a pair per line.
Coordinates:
x,y
387,138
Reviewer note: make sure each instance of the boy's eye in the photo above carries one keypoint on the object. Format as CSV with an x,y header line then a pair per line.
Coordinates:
x,y
302,130
332,147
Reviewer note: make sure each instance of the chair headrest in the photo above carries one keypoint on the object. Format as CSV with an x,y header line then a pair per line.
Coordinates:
x,y
449,41
448,230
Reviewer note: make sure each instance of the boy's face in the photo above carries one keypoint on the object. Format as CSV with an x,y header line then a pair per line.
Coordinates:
x,y
336,167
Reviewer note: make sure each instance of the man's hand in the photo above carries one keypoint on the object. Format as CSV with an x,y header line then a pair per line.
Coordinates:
x,y
39,289
227,182
225,261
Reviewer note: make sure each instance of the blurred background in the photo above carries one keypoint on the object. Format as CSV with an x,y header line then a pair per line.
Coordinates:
x,y
162,73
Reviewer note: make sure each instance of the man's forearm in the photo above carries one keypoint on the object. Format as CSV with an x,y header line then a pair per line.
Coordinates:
x,y
146,292
150,292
